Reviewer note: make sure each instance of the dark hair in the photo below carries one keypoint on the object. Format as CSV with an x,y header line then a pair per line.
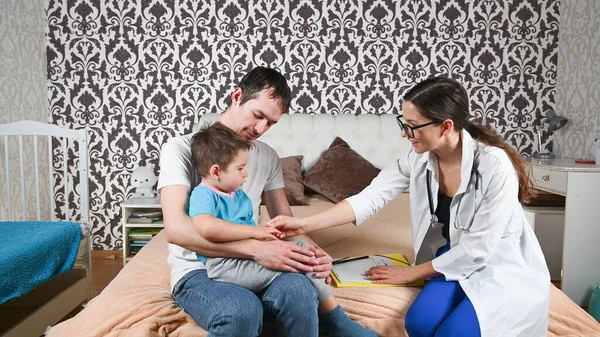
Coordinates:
x,y
216,144
439,99
261,78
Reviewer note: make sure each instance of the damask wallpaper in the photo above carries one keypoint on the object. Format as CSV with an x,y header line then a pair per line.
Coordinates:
x,y
578,84
22,89
137,73
22,61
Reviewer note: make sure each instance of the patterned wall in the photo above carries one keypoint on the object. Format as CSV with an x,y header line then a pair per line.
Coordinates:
x,y
136,73
22,93
578,85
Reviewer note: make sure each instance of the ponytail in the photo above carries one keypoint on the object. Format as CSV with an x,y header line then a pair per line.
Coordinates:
x,y
487,136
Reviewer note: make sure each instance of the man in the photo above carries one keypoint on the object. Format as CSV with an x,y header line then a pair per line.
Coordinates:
x,y
225,309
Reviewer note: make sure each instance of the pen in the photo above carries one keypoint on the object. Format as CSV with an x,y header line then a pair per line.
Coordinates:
x,y
349,259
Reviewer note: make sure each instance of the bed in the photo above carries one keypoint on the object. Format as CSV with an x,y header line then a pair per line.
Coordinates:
x,y
45,268
138,301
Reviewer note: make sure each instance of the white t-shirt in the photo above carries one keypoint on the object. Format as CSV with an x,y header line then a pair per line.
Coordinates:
x,y
176,168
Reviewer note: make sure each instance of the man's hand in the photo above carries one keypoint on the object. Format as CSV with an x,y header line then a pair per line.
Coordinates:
x,y
288,225
284,256
266,233
323,266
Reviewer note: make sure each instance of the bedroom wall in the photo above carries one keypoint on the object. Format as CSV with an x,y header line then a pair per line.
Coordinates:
x,y
578,82
22,88
23,61
135,75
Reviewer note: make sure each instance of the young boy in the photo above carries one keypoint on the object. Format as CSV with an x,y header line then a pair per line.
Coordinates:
x,y
222,212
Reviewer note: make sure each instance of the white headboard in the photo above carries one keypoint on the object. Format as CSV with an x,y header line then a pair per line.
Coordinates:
x,y
376,138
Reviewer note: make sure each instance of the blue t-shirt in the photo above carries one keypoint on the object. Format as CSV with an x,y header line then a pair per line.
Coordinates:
x,y
237,210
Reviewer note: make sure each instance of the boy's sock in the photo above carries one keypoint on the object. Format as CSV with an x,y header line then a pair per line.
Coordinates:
x,y
336,323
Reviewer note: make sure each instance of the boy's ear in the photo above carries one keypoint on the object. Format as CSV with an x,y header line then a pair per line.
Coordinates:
x,y
214,171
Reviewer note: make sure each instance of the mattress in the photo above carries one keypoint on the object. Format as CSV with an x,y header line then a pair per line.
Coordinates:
x,y
138,301
34,252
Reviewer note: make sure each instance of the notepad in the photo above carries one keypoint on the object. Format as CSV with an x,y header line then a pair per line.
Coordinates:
x,y
352,273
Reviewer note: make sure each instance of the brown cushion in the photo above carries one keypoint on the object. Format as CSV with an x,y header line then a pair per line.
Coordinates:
x,y
292,177
340,172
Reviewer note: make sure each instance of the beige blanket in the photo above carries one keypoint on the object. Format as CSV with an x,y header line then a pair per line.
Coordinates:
x,y
138,301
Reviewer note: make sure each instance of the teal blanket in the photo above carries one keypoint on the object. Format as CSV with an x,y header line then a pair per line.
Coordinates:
x,y
33,252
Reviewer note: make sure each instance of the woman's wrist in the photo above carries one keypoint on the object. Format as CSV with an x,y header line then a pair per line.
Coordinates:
x,y
423,271
306,225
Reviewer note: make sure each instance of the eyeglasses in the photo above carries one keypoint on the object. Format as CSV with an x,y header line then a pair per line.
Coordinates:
x,y
410,130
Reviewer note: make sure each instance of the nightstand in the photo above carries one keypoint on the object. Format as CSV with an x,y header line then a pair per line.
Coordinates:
x,y
548,223
580,185
138,205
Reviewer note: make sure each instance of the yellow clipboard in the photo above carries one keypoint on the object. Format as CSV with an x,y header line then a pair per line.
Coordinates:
x,y
397,259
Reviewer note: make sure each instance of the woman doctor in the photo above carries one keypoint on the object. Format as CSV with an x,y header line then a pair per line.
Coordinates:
x,y
490,278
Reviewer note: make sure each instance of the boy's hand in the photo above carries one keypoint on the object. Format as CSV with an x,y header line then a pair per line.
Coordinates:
x,y
266,233
288,225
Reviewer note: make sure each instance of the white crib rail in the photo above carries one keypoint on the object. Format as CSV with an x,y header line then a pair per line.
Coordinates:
x,y
50,131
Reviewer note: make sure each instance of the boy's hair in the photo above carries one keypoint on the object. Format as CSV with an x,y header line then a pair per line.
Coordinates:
x,y
216,144
261,78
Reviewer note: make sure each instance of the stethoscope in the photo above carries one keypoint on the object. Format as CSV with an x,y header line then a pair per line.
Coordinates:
x,y
434,222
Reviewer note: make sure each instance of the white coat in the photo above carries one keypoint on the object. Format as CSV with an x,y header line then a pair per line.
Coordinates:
x,y
498,262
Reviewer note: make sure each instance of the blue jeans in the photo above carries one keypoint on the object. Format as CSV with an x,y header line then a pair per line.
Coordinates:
x,y
225,309
442,309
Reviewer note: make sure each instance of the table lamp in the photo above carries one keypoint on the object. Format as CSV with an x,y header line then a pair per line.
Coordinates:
x,y
556,122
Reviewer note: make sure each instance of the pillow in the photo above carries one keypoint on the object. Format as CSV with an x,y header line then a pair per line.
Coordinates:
x,y
340,172
292,176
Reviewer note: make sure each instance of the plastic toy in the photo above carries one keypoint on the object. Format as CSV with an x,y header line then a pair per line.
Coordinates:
x,y
143,179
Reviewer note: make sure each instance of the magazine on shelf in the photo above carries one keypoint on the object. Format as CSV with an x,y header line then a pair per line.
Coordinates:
x,y
144,220
146,214
143,233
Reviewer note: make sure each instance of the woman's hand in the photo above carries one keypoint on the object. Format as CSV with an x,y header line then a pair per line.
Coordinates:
x,y
289,226
391,274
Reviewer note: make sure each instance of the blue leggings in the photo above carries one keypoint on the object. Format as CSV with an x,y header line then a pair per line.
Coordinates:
x,y
442,310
